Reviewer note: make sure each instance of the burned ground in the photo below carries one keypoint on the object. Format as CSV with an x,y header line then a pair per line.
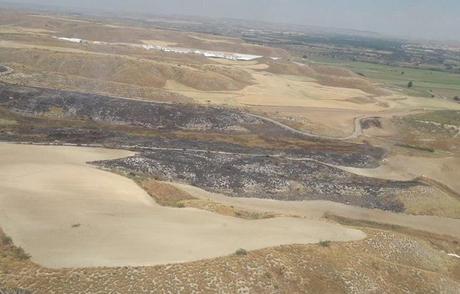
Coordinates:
x,y
371,122
280,178
38,101
69,117
176,142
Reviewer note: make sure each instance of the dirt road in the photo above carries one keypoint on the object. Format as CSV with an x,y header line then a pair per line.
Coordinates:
x,y
357,131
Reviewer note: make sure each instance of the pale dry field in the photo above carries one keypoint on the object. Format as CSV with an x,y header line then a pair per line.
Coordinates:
x,y
405,167
316,210
276,90
66,213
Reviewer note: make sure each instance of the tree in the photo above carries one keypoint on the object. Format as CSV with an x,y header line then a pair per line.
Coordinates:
x,y
410,84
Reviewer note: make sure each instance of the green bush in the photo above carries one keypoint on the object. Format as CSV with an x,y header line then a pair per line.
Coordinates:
x,y
324,243
241,252
20,254
5,240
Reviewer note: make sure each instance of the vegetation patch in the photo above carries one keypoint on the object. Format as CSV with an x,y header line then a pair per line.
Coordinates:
x,y
423,82
9,250
165,194
241,252
420,148
7,122
324,243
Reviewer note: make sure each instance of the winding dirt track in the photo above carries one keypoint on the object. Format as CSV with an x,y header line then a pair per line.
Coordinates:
x,y
357,131
66,213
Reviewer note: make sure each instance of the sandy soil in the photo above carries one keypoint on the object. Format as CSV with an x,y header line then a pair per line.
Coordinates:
x,y
315,210
66,213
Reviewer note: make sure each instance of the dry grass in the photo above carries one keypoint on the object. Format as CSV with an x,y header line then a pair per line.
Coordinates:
x,y
352,83
437,203
168,195
165,194
121,69
7,122
385,262
444,243
227,210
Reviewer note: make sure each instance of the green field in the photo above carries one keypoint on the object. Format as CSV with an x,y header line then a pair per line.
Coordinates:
x,y
425,82
449,117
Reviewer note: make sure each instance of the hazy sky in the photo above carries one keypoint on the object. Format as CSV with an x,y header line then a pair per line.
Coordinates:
x,y
433,19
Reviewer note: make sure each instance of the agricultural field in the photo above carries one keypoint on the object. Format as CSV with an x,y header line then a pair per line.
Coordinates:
x,y
426,83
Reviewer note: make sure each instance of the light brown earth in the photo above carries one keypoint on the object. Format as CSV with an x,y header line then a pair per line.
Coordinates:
x,y
98,218
316,210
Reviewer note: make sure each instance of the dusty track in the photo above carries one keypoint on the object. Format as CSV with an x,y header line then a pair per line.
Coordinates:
x,y
357,131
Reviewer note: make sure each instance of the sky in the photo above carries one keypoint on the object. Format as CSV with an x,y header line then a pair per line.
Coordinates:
x,y
421,19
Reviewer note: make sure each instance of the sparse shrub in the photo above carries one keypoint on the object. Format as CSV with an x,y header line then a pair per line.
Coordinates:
x,y
11,250
6,241
426,149
158,177
20,254
410,84
324,243
241,252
